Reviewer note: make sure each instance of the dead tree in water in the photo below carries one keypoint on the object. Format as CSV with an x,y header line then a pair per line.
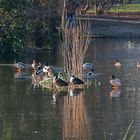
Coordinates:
x,y
75,44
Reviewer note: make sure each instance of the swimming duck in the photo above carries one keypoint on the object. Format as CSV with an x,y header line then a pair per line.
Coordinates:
x,y
138,64
59,82
20,66
117,64
76,80
115,82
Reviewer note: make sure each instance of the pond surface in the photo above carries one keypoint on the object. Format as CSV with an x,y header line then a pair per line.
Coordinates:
x,y
95,113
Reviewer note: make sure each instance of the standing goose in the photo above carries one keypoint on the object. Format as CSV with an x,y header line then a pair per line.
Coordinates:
x,y
20,66
87,67
76,80
59,82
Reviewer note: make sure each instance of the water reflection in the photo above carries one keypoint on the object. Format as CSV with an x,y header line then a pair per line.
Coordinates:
x,y
58,94
95,112
115,93
74,118
75,91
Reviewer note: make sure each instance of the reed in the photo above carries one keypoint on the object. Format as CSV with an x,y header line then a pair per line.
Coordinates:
x,y
75,44
127,132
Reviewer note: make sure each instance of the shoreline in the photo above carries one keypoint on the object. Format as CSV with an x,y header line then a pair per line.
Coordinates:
x,y
113,27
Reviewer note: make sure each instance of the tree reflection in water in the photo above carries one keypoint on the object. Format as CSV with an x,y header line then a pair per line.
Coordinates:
x,y
74,118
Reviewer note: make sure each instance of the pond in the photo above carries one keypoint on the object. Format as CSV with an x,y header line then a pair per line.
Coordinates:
x,y
96,112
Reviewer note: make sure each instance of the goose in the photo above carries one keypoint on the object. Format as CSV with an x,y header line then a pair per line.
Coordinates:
x,y
20,66
117,64
59,82
138,64
91,73
115,82
76,80
87,67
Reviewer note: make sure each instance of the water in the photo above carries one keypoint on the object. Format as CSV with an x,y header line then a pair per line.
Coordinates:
x,y
95,113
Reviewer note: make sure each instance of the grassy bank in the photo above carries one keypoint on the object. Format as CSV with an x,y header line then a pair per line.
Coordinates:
x,y
127,8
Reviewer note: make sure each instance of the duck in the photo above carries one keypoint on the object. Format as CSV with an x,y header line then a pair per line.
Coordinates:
x,y
75,80
34,65
91,73
46,69
87,67
115,82
117,64
89,76
49,71
59,82
39,70
20,66
138,64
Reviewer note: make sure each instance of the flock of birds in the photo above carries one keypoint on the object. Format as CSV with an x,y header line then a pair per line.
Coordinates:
x,y
41,72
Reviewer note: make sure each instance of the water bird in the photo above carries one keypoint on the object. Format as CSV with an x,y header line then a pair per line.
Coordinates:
x,y
39,70
59,82
76,80
49,71
117,64
115,82
34,65
91,73
46,69
87,67
20,66
89,76
138,64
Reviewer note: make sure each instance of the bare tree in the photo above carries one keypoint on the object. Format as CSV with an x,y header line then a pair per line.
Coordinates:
x,y
76,42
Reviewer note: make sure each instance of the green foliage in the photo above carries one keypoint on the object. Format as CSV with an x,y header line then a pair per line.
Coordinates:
x,y
126,8
26,20
12,27
9,5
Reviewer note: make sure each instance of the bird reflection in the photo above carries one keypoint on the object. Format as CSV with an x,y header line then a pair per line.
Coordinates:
x,y
75,91
35,81
115,93
57,94
130,44
21,75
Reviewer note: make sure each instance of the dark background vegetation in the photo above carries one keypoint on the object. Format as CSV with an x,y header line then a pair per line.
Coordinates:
x,y
32,23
